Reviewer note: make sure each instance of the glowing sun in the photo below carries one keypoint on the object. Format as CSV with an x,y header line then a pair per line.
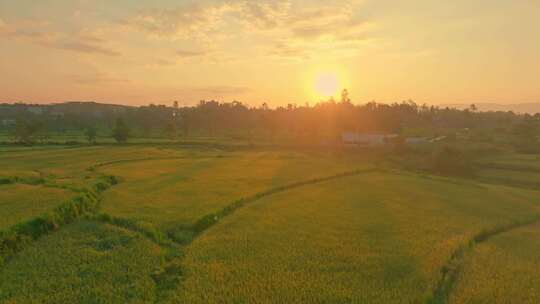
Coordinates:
x,y
326,84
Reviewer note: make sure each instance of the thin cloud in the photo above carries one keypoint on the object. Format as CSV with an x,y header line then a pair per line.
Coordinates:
x,y
82,47
190,54
95,79
32,32
264,15
202,19
218,90
287,50
162,63
336,23
194,19
287,26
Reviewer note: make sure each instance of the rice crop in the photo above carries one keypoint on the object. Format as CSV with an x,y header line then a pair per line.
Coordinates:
x,y
20,202
168,193
377,238
87,262
503,269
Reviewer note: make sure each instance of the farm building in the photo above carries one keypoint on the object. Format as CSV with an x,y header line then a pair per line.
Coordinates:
x,y
366,139
37,110
416,140
7,122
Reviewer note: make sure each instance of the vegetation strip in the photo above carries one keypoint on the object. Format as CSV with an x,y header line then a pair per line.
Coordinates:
x,y
146,230
123,161
19,236
37,181
172,273
134,160
511,167
186,235
34,181
451,270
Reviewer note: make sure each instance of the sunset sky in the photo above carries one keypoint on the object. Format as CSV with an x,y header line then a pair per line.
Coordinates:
x,y
274,51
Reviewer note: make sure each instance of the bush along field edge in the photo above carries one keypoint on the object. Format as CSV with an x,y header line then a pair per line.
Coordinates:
x,y
86,202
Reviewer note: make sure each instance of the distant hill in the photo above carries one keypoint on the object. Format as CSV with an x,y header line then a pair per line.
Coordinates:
x,y
84,107
531,108
73,107
8,110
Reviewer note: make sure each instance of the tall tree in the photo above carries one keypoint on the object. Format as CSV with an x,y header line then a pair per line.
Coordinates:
x,y
170,129
345,96
25,131
91,134
121,131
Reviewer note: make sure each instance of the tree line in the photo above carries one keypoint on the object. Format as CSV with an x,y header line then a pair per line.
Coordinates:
x,y
321,121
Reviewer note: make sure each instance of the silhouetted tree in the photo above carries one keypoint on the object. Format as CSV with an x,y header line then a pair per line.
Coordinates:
x,y
170,129
322,120
26,131
525,137
451,161
121,131
91,134
345,96
175,109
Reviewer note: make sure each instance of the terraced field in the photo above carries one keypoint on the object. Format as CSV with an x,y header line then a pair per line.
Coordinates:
x,y
166,193
72,162
20,202
504,269
375,238
86,262
263,227
516,170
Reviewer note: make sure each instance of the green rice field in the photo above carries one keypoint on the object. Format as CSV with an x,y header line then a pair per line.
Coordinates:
x,y
261,225
502,270
20,202
376,238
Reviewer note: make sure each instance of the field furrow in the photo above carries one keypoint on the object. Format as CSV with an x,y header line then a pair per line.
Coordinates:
x,y
21,202
502,269
378,238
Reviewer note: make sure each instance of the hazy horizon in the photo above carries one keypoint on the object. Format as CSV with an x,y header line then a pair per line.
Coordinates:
x,y
279,52
520,107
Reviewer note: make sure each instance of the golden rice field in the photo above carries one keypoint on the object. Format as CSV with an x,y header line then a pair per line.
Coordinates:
x,y
530,161
376,238
505,269
86,262
19,202
380,236
516,170
72,162
180,191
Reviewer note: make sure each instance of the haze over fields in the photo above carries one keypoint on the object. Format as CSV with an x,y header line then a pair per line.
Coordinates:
x,y
530,108
270,151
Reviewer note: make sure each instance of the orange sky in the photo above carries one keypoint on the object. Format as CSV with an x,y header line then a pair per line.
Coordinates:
x,y
274,51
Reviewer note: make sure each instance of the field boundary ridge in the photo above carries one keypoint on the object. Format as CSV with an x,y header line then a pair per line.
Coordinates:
x,y
16,238
451,270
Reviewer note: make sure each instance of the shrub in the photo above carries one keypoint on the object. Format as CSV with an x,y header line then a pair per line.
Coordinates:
x,y
121,131
451,161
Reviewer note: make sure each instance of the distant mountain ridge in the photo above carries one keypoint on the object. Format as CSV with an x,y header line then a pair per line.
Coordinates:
x,y
531,108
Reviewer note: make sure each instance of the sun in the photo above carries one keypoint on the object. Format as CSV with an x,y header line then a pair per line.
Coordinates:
x,y
326,84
